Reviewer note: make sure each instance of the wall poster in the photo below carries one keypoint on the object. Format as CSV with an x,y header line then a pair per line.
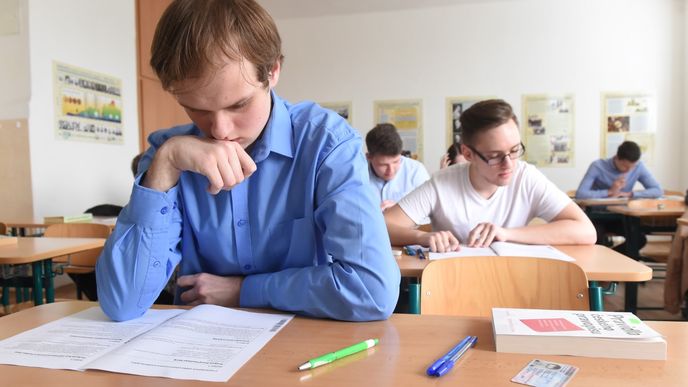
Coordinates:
x,y
342,108
548,130
455,106
628,116
88,105
406,116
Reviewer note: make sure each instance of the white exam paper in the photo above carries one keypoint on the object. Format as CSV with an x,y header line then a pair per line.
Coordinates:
x,y
208,342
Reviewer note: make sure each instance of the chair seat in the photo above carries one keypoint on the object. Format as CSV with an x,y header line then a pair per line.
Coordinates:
x,y
657,251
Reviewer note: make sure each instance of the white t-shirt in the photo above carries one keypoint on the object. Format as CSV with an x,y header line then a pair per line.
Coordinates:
x,y
452,203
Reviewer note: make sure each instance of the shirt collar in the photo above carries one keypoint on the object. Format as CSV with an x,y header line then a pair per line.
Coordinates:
x,y
278,133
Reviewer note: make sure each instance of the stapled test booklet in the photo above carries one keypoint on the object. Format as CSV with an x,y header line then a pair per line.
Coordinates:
x,y
579,333
505,249
208,342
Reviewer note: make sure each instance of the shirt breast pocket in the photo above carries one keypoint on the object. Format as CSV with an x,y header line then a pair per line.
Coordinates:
x,y
292,243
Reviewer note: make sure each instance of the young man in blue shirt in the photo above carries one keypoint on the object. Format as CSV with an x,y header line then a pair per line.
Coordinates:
x,y
261,203
616,176
391,174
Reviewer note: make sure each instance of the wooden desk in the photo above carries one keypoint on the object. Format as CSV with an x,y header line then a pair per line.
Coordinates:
x,y
408,345
633,230
600,263
19,226
586,203
39,253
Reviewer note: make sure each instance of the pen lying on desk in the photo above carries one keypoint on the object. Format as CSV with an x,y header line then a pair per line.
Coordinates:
x,y
332,356
442,365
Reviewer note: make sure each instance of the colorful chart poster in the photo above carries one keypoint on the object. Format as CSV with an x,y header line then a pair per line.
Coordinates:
x,y
88,105
548,130
455,106
342,108
406,116
628,117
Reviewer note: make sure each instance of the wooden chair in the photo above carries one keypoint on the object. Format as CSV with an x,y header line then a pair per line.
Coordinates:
x,y
3,229
658,247
80,263
472,286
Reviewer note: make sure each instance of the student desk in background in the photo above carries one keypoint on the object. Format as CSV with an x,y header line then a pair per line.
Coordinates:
x,y
39,252
408,345
18,227
600,263
633,219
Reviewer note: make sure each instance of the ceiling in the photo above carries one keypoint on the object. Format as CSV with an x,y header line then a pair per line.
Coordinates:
x,y
289,9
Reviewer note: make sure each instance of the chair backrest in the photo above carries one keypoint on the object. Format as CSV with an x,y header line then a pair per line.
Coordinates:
x,y
655,204
79,230
472,286
105,210
672,192
3,229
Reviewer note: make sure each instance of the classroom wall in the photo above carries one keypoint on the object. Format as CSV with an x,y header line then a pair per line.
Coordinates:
x,y
505,49
14,51
99,35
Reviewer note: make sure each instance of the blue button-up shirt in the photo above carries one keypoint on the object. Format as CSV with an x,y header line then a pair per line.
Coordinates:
x,y
410,175
305,229
602,173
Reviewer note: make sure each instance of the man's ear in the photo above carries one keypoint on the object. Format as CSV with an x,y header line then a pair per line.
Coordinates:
x,y
273,75
368,156
466,152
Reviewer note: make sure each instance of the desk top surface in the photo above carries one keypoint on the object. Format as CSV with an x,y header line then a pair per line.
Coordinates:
x,y
648,212
40,223
408,344
600,202
600,263
28,250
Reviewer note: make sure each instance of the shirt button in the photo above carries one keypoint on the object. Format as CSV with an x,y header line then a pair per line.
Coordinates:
x,y
242,223
164,210
156,263
247,267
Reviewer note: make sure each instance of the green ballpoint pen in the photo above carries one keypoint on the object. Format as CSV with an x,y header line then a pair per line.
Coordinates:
x,y
332,356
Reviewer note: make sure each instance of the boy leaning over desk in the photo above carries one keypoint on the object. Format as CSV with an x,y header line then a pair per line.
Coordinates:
x,y
261,203
491,198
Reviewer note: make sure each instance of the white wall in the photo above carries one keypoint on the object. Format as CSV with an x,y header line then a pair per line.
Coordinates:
x,y
99,35
14,64
503,49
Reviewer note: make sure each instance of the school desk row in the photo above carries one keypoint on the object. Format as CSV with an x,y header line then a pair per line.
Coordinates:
x,y
408,345
599,263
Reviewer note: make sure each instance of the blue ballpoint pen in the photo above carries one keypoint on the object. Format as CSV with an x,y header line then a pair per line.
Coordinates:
x,y
447,365
432,370
420,253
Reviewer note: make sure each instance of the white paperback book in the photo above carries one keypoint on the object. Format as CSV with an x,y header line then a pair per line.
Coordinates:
x,y
208,342
507,249
578,333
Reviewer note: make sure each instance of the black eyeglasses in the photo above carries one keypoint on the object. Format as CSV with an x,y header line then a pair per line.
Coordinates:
x,y
496,160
